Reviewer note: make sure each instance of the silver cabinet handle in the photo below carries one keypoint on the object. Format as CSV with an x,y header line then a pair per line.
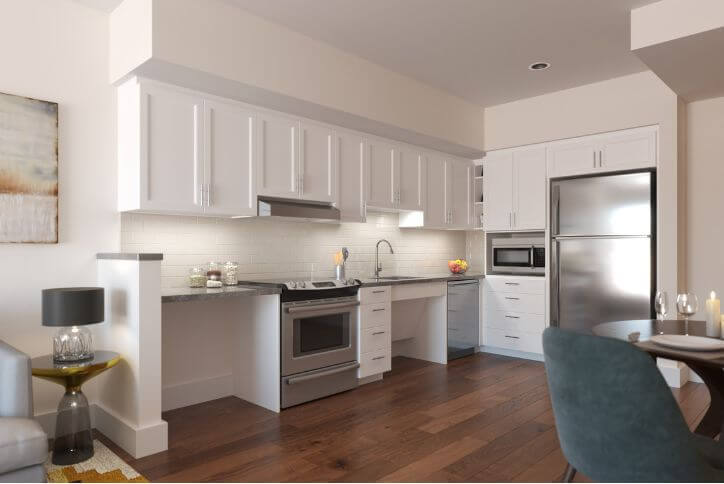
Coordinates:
x,y
378,292
201,195
377,333
377,358
208,195
512,298
600,159
512,337
321,374
512,317
512,284
377,310
510,219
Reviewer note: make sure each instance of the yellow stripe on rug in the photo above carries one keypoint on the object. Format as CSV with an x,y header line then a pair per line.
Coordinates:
x,y
104,466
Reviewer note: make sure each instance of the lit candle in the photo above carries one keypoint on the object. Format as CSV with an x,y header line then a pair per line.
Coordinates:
x,y
713,316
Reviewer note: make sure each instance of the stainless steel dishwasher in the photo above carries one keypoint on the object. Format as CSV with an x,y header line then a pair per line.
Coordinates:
x,y
463,313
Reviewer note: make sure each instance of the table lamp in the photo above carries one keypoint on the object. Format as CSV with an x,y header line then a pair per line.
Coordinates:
x,y
70,309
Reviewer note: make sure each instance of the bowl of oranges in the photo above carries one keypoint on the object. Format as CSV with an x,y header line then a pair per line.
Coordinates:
x,y
458,266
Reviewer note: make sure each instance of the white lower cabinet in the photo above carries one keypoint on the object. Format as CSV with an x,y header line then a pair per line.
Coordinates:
x,y
375,331
514,313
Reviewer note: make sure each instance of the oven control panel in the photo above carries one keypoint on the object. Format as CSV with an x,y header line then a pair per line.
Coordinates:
x,y
317,285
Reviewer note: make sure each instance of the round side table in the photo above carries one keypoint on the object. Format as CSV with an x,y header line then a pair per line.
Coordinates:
x,y
73,440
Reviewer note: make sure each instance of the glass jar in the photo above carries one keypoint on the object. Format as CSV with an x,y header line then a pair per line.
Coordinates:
x,y
197,277
230,273
214,271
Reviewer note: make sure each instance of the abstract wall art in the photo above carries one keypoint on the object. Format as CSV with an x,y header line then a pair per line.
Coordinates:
x,y
28,170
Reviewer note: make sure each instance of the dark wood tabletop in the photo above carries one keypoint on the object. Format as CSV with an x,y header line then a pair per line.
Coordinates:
x,y
707,364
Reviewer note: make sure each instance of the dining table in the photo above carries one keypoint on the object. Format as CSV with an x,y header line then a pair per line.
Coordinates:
x,y
709,365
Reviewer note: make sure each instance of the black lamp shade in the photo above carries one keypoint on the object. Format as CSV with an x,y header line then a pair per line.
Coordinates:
x,y
72,306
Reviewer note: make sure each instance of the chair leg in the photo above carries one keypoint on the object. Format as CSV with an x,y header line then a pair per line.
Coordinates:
x,y
569,474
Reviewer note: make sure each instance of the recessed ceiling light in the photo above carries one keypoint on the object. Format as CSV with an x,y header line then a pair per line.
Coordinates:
x,y
539,66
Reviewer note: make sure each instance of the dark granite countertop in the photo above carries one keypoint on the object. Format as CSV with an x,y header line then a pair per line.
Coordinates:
x,y
372,282
182,294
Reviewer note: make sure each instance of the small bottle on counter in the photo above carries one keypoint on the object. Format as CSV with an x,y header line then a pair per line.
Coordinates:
x,y
197,277
230,273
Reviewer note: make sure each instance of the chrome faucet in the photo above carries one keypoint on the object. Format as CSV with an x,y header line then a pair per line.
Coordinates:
x,y
378,266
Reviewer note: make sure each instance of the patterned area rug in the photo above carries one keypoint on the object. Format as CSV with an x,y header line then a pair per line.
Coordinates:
x,y
104,466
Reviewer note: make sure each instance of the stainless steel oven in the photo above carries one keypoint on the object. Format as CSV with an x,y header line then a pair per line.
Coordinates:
x,y
519,255
318,343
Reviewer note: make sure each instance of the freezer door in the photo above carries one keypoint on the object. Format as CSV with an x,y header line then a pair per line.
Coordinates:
x,y
602,205
597,280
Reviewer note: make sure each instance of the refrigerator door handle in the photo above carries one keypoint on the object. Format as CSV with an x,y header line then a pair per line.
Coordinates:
x,y
556,212
555,284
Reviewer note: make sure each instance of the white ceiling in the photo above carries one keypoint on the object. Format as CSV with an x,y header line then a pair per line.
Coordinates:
x,y
478,50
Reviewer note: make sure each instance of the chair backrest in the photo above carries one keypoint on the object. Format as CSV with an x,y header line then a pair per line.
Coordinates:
x,y
16,387
616,418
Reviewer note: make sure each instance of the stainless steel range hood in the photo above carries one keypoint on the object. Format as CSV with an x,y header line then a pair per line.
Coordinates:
x,y
301,211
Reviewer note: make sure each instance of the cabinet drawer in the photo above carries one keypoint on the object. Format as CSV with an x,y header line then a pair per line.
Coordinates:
x,y
369,295
374,362
530,323
513,340
516,303
518,285
372,315
374,339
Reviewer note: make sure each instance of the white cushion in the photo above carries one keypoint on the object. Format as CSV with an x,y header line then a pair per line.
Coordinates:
x,y
22,443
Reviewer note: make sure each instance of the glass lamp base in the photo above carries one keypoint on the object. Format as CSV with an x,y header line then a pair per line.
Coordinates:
x,y
73,439
73,343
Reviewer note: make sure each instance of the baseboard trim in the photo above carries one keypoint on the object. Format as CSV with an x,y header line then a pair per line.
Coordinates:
x,y
369,379
197,391
512,353
139,442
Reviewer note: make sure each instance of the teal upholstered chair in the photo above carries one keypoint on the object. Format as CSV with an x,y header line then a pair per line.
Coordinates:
x,y
617,419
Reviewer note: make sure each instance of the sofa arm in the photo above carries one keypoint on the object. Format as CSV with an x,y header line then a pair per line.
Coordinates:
x,y
16,397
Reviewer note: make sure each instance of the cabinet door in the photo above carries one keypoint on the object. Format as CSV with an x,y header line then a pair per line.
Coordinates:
x,y
631,149
410,181
529,188
229,159
350,159
278,154
380,176
318,163
436,206
171,138
574,157
461,185
498,191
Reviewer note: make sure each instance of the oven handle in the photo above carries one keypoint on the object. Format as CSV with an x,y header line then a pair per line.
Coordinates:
x,y
321,374
316,307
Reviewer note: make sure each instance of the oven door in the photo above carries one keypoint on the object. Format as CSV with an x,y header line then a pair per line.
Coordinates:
x,y
318,334
512,259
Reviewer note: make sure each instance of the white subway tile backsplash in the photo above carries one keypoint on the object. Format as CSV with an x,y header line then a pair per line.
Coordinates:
x,y
270,248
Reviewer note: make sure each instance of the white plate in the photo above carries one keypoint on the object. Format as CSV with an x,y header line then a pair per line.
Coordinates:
x,y
691,343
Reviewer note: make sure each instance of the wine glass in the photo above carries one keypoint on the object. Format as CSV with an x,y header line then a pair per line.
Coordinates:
x,y
687,305
661,305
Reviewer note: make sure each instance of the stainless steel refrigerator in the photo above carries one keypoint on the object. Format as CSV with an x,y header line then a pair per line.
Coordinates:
x,y
602,249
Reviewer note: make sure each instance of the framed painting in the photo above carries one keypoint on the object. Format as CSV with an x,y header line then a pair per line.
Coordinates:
x,y
28,170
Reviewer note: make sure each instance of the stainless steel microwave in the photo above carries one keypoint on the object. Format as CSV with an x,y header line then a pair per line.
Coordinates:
x,y
519,256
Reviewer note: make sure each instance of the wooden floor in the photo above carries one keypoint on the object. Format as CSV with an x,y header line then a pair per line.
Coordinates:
x,y
481,418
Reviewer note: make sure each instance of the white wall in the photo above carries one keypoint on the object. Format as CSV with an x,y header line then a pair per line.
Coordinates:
x,y
270,248
625,102
216,38
705,197
56,50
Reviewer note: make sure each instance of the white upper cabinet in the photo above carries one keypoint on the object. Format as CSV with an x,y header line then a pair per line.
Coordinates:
x,y
460,175
529,190
449,192
629,149
498,191
351,153
230,188
278,156
514,189
318,167
409,179
380,174
436,207
171,168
